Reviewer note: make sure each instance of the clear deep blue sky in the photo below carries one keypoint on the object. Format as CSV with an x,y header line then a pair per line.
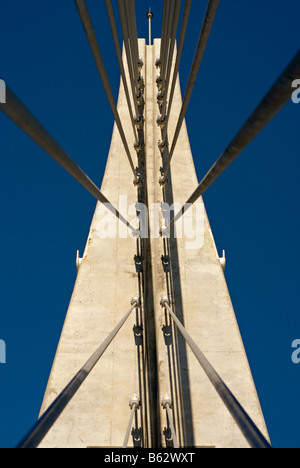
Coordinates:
x,y
45,215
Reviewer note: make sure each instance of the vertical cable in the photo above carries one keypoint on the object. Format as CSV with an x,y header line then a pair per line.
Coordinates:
x,y
120,61
185,19
91,36
202,43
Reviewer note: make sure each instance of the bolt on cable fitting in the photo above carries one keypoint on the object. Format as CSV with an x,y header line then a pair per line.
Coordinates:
x,y
162,145
140,65
134,402
138,146
166,402
161,121
139,122
160,98
136,300
164,300
163,181
159,82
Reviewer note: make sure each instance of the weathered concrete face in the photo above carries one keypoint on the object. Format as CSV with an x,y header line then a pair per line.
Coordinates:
x,y
158,361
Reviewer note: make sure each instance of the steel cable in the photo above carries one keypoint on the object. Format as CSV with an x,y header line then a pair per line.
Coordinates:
x,y
278,96
48,419
91,36
250,431
202,43
23,118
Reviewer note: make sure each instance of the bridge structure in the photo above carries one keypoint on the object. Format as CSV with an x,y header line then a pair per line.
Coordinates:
x,y
172,372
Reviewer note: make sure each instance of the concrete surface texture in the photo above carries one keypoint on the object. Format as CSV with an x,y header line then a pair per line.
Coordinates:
x,y
149,357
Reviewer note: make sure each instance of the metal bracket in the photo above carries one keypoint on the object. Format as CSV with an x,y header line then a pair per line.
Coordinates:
x,y
138,146
138,335
78,260
138,263
140,99
160,98
140,65
159,82
166,261
223,261
140,83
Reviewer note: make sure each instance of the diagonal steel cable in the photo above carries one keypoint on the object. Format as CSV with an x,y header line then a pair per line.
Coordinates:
x,y
48,419
23,118
248,428
278,96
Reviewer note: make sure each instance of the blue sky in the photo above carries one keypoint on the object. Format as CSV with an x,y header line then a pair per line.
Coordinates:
x,y
253,208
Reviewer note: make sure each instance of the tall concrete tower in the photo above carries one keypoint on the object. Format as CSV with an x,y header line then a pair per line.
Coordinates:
x,y
149,361
172,371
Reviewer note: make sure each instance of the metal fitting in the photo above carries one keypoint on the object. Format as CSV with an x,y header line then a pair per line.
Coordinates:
x,y
223,261
166,263
161,121
136,301
134,402
138,146
164,232
141,83
160,98
140,99
150,14
166,402
136,234
140,65
162,145
78,260
159,82
138,263
139,122
164,300
163,182
138,182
